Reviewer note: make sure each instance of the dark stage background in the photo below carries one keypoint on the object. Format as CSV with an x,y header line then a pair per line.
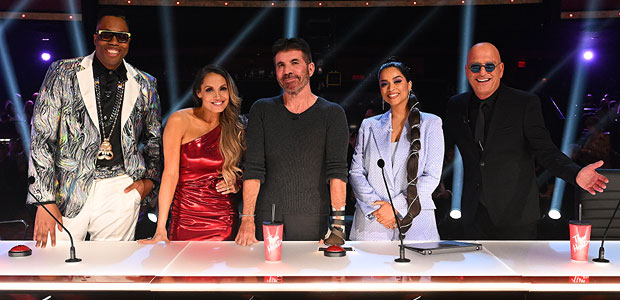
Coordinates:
x,y
352,41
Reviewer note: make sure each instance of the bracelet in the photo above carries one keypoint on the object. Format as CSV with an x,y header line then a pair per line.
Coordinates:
x,y
243,215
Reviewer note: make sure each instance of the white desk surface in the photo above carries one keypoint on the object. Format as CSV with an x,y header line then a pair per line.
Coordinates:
x,y
224,266
552,258
303,259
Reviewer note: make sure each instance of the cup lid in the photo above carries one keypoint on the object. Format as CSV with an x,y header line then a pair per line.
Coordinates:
x,y
577,222
269,223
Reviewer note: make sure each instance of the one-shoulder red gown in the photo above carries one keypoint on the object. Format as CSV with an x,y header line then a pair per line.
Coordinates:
x,y
199,212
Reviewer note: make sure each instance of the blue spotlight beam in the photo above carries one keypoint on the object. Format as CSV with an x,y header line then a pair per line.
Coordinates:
x,y
394,50
352,31
573,114
13,11
18,105
552,72
467,24
167,26
242,36
572,121
182,101
292,20
224,56
76,31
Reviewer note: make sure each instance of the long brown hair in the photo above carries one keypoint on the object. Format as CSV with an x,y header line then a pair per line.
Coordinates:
x,y
413,136
232,138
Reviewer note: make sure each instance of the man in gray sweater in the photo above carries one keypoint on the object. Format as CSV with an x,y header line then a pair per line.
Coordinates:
x,y
296,154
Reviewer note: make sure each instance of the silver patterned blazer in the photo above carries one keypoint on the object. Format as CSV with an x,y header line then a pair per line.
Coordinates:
x,y
65,134
373,143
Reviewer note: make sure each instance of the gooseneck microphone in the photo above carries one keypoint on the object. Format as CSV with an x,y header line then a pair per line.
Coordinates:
x,y
601,249
401,236
72,258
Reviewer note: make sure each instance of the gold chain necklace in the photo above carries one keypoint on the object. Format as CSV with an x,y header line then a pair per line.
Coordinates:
x,y
105,149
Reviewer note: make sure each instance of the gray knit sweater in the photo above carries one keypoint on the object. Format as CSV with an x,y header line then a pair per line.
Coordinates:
x,y
295,155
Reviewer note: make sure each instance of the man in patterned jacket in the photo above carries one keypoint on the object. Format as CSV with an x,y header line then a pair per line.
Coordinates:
x,y
96,141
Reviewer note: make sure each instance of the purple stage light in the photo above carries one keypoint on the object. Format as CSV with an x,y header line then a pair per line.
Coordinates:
x,y
46,56
588,55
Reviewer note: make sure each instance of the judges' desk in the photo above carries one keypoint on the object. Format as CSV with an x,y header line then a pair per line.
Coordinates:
x,y
511,267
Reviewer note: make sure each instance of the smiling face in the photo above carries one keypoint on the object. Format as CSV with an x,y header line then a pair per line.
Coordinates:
x,y
214,93
484,83
292,71
394,87
112,52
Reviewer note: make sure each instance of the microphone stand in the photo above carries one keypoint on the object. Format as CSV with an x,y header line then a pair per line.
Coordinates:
x,y
402,258
72,258
601,250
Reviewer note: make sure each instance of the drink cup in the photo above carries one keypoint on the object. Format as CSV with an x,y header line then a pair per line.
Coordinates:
x,y
272,237
579,239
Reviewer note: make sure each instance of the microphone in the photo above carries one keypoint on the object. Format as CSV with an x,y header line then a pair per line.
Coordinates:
x,y
72,257
401,236
601,250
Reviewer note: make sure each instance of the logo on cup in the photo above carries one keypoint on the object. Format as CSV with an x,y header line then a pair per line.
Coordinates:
x,y
581,241
580,279
274,242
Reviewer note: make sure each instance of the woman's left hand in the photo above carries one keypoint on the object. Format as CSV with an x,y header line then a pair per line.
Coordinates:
x,y
225,188
384,214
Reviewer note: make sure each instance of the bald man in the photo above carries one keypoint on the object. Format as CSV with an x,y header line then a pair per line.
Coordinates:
x,y
499,132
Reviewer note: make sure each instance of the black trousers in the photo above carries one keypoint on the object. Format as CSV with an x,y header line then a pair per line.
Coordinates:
x,y
297,227
483,228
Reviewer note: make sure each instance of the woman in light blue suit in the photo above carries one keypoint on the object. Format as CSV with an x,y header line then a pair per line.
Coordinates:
x,y
412,147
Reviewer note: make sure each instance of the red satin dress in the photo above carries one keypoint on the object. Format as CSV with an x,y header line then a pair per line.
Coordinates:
x,y
199,212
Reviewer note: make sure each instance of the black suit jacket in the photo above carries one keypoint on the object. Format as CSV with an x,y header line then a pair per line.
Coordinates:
x,y
504,171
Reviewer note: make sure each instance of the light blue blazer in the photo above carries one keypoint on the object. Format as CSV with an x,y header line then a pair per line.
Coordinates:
x,y
373,143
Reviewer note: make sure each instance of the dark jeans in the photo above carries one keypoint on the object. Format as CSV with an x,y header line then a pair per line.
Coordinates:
x,y
483,229
296,227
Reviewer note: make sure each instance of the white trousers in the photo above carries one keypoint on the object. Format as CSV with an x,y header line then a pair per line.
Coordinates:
x,y
109,213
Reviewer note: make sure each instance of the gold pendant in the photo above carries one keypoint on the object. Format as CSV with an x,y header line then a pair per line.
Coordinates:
x,y
105,150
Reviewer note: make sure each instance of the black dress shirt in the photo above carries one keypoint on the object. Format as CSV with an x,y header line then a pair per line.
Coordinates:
x,y
474,104
108,82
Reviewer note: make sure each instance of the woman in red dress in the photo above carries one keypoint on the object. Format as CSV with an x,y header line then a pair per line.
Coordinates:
x,y
203,146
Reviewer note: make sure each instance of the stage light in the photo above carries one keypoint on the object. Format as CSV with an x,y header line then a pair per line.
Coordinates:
x,y
170,63
24,16
570,15
403,42
8,72
292,18
320,3
225,3
588,55
70,17
152,217
77,31
415,3
573,113
352,31
224,55
45,56
467,25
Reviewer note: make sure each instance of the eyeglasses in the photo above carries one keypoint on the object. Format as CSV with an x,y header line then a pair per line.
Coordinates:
x,y
476,67
121,37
